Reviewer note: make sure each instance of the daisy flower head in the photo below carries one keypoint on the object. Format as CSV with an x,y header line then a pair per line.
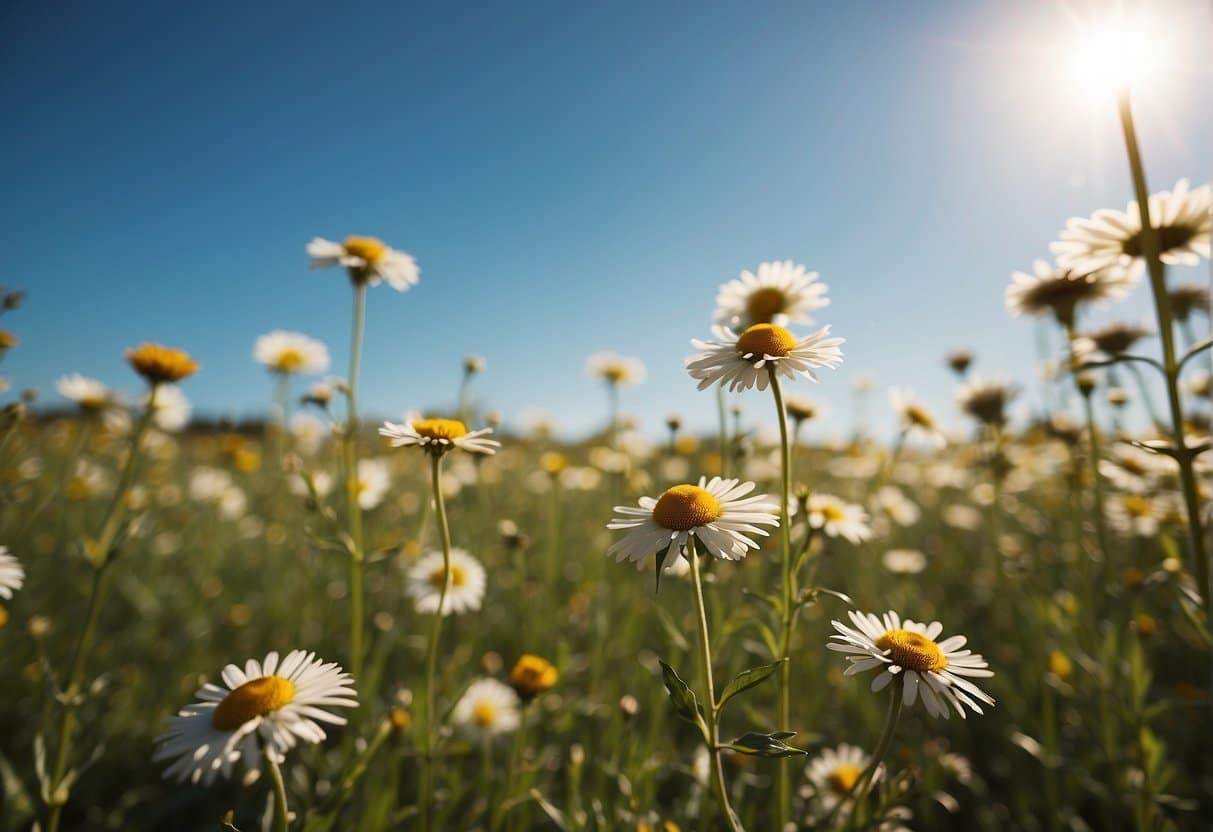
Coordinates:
x,y
616,370
986,400
437,436
88,394
531,676
748,360
717,512
1114,338
291,352
374,479
487,709
1189,298
170,408
464,583
1182,220
367,260
838,518
779,293
1061,290
914,418
937,672
12,574
160,364
833,774
272,705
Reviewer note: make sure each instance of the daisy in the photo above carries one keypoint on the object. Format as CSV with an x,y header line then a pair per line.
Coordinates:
x,y
12,574
1181,217
933,670
439,436
487,709
1189,298
780,293
616,370
1115,338
1060,290
838,518
90,395
834,773
374,478
904,561
986,400
268,706
716,512
914,417
291,352
170,409
464,585
159,364
1133,514
747,360
531,676
959,361
366,260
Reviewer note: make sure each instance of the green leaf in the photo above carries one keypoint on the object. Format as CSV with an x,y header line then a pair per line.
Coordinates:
x,y
685,703
765,745
747,679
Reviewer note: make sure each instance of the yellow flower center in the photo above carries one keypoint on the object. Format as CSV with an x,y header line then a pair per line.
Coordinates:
x,y
766,339
532,675
913,651
484,714
915,415
448,429
832,513
685,507
369,249
288,361
765,304
158,363
458,578
257,697
844,778
1136,506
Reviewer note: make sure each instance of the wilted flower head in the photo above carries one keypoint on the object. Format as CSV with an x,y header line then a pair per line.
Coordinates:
x,y
159,364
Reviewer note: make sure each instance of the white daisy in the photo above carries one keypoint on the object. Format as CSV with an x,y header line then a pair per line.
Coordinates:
x,y
88,394
367,260
487,709
1134,514
439,436
838,518
268,705
464,584
717,512
741,361
1060,290
833,774
935,671
904,561
171,411
291,352
12,574
1113,238
780,293
615,369
374,479
914,419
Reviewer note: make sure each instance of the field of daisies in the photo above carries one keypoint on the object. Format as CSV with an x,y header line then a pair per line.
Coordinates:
x,y
320,622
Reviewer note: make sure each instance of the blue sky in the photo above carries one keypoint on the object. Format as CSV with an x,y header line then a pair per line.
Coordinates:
x,y
570,177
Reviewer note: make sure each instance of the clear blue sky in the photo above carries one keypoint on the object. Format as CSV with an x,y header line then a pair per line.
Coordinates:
x,y
571,178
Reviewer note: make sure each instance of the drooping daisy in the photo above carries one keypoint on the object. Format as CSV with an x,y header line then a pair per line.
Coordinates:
x,y
291,352
914,419
933,671
1060,291
986,400
780,293
12,574
838,518
747,360
374,479
717,512
272,705
833,774
487,709
1113,238
437,436
616,370
367,260
464,584
90,395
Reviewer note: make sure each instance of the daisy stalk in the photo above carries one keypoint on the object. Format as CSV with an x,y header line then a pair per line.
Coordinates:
x,y
860,792
281,813
349,448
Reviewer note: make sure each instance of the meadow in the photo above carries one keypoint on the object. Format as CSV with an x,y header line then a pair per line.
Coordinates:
x,y
321,620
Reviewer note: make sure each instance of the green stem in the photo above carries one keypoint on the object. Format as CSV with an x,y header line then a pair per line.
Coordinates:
x,y
860,792
354,510
281,814
723,431
787,611
429,732
710,711
98,552
1162,309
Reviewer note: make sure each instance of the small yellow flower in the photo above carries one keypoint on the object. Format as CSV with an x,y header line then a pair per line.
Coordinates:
x,y
1145,625
159,364
531,676
1060,665
8,340
553,463
401,719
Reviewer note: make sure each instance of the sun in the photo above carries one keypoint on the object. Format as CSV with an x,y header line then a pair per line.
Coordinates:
x,y
1116,56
